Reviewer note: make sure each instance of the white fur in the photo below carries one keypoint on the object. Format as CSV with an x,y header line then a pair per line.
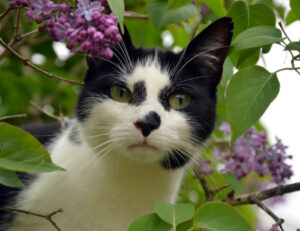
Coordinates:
x,y
108,182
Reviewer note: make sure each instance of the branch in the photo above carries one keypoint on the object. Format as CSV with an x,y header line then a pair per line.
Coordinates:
x,y
4,13
28,63
48,217
59,118
278,220
20,38
206,188
293,57
12,116
263,195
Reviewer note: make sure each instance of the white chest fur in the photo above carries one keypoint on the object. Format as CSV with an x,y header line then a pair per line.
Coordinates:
x,y
95,193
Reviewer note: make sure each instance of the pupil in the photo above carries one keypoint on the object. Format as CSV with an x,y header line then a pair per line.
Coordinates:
x,y
122,92
180,99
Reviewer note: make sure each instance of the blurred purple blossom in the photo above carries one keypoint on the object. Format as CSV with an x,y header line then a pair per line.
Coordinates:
x,y
251,153
83,27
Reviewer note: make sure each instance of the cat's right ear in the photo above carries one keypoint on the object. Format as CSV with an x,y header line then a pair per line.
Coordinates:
x,y
125,43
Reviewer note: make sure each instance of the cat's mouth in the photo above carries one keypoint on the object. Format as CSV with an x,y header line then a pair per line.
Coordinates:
x,y
144,145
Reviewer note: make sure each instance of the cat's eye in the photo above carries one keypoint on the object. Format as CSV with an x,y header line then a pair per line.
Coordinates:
x,y
120,93
179,100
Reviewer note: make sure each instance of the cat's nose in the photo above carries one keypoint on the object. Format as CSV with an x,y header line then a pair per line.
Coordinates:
x,y
148,123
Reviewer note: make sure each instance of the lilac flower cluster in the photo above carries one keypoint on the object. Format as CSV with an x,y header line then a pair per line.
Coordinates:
x,y
250,153
84,27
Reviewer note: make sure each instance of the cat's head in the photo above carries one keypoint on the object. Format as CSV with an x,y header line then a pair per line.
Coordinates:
x,y
151,105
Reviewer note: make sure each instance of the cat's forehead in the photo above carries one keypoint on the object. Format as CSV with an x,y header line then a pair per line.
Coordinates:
x,y
151,75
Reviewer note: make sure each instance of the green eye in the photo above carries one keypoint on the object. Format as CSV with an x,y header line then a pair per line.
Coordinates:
x,y
179,100
120,93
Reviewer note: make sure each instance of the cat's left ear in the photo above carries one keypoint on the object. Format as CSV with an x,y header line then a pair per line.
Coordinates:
x,y
210,46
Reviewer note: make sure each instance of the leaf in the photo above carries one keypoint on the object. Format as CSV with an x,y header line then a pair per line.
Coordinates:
x,y
217,216
261,15
160,16
245,58
256,37
172,4
174,214
293,46
250,92
22,152
295,6
118,8
240,16
217,6
227,72
150,222
10,179
290,18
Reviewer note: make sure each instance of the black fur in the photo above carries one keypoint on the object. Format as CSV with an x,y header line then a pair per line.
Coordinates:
x,y
139,93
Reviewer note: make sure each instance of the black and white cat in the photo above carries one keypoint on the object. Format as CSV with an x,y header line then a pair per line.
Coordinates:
x,y
141,118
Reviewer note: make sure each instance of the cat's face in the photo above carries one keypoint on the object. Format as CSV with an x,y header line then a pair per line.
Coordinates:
x,y
154,106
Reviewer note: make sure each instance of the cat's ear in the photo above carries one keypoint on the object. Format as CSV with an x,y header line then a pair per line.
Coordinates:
x,y
125,43
210,46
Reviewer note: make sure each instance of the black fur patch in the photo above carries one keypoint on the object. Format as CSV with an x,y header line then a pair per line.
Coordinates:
x,y
139,94
175,160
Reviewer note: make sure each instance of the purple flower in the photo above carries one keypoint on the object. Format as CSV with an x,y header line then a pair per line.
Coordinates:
x,y
86,8
250,153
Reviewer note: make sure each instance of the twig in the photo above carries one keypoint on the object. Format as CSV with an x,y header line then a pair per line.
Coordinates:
x,y
12,116
263,195
2,15
278,220
293,57
135,15
48,217
20,38
288,69
209,194
28,63
59,118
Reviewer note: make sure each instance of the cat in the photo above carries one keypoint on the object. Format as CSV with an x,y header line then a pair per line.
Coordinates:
x,y
140,120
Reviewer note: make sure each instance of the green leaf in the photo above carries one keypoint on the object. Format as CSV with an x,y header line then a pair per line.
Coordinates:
x,y
295,6
150,222
217,6
261,15
240,16
293,46
245,58
160,16
22,152
172,4
10,179
290,18
227,72
256,37
174,214
118,8
217,216
250,92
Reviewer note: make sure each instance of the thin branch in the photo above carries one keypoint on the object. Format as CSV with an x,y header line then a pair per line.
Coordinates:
x,y
278,220
48,217
12,116
206,188
20,37
4,13
288,69
293,57
26,62
263,195
59,118
135,15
